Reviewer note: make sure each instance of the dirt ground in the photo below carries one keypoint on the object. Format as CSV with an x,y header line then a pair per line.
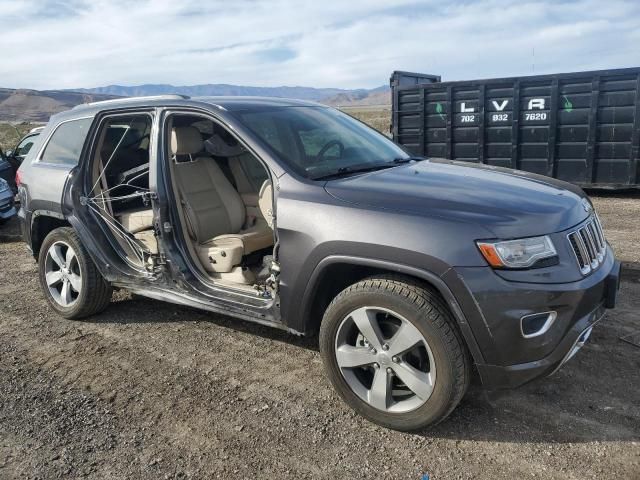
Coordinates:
x,y
378,117
620,217
152,390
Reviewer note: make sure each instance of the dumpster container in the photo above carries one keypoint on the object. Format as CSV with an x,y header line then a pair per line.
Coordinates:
x,y
581,127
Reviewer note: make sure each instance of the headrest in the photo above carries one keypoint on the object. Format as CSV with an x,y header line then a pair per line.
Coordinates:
x,y
217,146
185,141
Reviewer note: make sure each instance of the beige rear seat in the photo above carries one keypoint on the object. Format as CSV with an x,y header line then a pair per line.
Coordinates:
x,y
137,220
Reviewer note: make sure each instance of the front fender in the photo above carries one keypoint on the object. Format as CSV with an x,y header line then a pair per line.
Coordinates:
x,y
429,276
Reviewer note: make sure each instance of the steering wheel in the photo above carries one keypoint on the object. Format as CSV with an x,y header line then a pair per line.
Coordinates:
x,y
327,146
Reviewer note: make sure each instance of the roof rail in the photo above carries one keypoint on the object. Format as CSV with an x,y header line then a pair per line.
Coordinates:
x,y
173,96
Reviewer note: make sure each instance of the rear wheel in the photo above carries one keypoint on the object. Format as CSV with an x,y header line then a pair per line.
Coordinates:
x,y
392,352
68,277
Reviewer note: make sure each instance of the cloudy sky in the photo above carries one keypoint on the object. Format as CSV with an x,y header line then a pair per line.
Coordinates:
x,y
329,43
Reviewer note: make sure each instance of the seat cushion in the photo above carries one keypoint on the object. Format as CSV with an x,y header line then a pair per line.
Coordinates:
x,y
221,254
224,252
137,220
253,239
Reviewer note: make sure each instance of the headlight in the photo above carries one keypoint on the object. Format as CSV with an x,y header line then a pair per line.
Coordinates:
x,y
521,253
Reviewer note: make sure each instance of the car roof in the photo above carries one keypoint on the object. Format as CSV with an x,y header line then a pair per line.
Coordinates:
x,y
228,103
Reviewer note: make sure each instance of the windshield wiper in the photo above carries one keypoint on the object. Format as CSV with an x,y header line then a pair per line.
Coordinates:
x,y
342,171
408,159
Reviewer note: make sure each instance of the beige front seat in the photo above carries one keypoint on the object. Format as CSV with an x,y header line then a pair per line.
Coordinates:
x,y
215,213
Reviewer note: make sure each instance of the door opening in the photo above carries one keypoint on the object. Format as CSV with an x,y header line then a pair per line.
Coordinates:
x,y
119,193
225,204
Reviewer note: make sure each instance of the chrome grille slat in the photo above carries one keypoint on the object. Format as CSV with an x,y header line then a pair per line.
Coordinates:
x,y
600,231
594,235
589,245
585,237
594,247
582,256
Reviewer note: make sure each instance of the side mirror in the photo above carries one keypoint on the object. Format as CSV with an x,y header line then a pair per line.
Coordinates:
x,y
9,153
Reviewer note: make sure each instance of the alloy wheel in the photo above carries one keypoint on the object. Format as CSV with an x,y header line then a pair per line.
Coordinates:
x,y
385,359
62,274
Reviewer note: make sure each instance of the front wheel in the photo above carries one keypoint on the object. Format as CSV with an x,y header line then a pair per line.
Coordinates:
x,y
69,279
392,352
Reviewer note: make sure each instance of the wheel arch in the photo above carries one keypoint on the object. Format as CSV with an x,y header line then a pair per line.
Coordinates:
x,y
335,273
43,222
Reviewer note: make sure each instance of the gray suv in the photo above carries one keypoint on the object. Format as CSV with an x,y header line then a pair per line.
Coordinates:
x,y
417,273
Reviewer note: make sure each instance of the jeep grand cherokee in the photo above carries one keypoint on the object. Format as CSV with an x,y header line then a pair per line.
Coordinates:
x,y
415,272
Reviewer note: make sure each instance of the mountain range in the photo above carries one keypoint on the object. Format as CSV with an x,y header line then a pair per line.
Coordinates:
x,y
39,105
221,89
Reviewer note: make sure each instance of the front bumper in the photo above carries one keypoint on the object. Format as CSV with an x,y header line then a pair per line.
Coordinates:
x,y
7,209
495,308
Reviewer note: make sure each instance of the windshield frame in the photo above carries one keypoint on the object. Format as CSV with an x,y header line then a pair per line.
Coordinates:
x,y
369,134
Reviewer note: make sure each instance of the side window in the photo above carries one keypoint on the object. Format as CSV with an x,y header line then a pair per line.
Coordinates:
x,y
24,146
66,143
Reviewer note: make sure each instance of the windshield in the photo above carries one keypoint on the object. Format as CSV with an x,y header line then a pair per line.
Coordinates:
x,y
320,142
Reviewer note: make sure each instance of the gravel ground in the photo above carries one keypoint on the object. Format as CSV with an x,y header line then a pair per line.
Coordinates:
x,y
620,216
152,390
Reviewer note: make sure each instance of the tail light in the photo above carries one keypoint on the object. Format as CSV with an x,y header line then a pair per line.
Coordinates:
x,y
18,178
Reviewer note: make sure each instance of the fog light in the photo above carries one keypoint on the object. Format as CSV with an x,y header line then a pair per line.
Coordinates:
x,y
537,323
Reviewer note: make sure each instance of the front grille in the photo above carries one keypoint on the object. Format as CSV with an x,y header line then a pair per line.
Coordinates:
x,y
589,245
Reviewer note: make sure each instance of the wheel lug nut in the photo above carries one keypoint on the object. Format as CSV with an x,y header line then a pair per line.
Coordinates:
x,y
389,370
395,359
376,366
373,350
385,347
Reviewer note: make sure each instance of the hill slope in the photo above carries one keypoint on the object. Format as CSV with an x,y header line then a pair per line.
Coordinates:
x,y
373,97
38,106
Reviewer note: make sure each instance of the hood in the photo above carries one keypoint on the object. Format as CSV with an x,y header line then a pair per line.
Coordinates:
x,y
508,203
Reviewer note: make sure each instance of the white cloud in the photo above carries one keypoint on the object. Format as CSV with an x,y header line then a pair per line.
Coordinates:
x,y
66,44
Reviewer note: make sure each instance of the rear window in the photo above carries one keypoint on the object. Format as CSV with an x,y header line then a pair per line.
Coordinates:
x,y
66,143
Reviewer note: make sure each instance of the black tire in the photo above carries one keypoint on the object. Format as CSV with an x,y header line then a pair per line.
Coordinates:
x,y
95,293
427,311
